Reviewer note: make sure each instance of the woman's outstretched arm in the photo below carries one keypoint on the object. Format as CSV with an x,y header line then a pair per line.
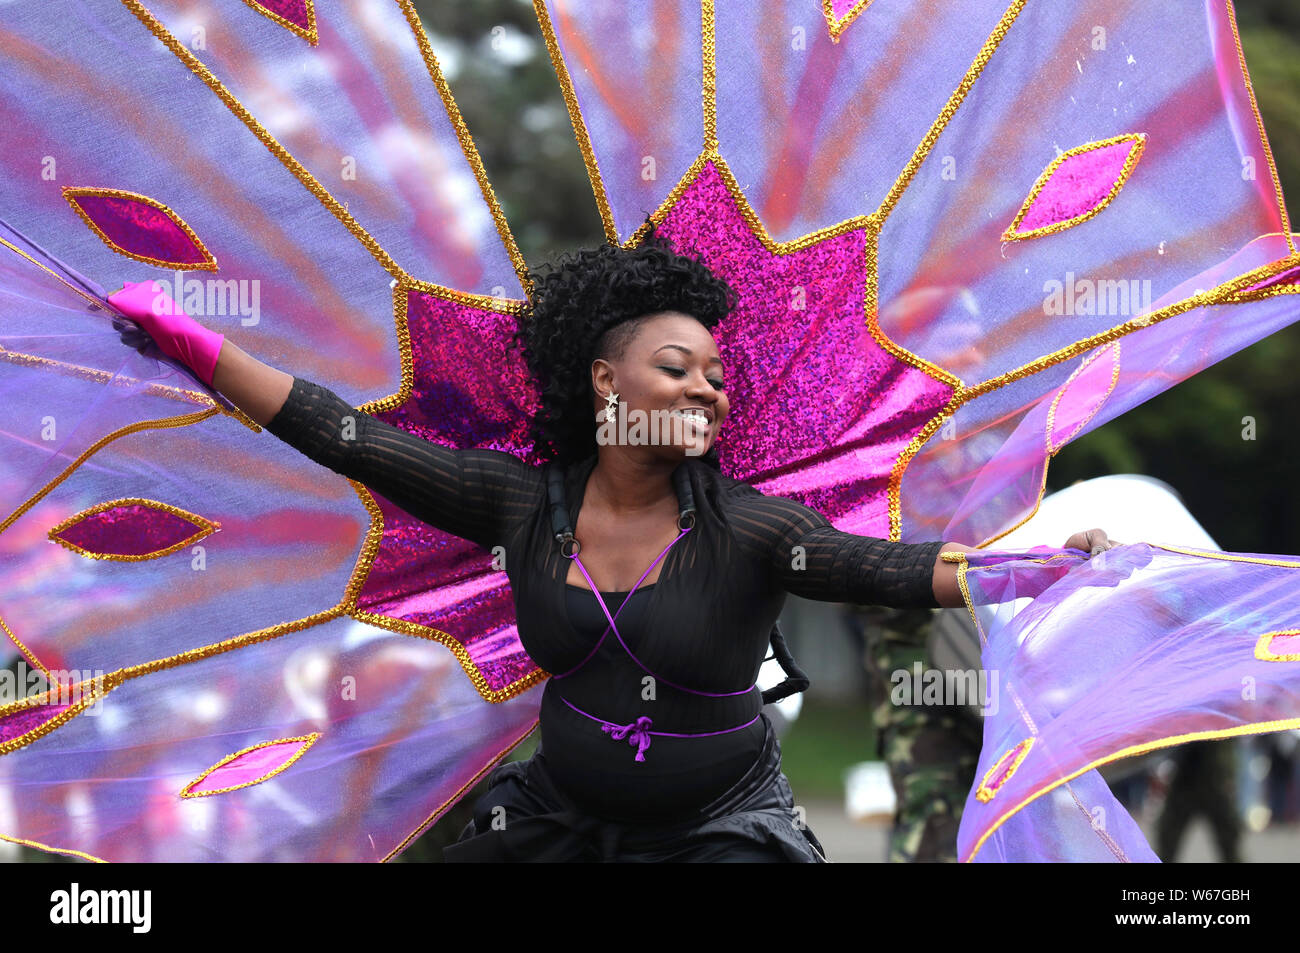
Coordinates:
x,y
474,494
813,559
809,557
256,388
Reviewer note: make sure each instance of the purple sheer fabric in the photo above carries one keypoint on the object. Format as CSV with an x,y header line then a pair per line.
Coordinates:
x,y
1137,648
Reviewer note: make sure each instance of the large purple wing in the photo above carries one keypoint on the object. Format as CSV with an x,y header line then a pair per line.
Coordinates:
x,y
937,213
303,183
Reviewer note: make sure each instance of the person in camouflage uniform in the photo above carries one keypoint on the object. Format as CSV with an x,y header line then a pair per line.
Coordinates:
x,y
931,750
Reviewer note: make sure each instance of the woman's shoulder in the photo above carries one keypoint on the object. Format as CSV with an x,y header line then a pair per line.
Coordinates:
x,y
734,495
504,470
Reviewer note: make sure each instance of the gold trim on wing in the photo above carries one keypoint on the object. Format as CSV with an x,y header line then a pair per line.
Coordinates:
x,y
1265,653
72,193
166,422
466,141
401,292
1229,557
94,302
1259,125
1016,755
23,649
1224,293
709,74
1137,143
575,117
462,656
309,33
108,377
370,549
203,528
86,692
1078,372
338,209
309,181
837,25
460,792
305,742
1253,728
963,566
1053,451
949,109
37,845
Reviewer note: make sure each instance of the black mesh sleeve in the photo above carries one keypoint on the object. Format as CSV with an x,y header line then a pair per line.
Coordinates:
x,y
474,494
811,558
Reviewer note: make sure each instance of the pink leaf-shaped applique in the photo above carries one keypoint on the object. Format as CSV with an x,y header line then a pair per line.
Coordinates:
x,y
140,228
1002,770
1078,184
23,720
131,529
297,16
1080,397
250,766
453,342
840,13
1279,646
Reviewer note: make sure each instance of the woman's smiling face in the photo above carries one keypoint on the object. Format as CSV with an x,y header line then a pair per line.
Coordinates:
x,y
669,370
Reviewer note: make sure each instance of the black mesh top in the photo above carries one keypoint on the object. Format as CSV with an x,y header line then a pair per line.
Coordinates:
x,y
703,626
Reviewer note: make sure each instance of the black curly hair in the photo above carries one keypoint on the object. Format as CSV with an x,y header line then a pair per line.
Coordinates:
x,y
589,305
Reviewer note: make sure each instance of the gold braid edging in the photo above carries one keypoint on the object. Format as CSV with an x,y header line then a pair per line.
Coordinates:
x,y
182,421
460,792
204,527
837,25
1262,727
72,193
1137,145
468,149
309,34
26,652
950,108
227,98
579,123
306,741
1259,125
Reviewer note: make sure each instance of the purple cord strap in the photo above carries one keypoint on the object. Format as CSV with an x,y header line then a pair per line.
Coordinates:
x,y
638,732
605,609
601,640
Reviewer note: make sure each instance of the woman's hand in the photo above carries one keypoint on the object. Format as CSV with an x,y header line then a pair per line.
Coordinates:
x,y
257,389
178,335
1091,541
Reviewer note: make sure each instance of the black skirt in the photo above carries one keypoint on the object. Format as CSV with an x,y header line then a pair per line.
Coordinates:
x,y
524,817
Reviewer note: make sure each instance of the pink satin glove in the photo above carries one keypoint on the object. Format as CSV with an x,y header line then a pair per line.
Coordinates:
x,y
177,334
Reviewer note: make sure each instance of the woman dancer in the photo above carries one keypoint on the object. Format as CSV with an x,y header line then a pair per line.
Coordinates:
x,y
644,580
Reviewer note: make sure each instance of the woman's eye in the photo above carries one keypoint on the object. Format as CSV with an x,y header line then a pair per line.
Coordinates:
x,y
680,372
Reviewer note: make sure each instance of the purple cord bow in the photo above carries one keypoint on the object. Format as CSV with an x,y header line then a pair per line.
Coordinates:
x,y
637,733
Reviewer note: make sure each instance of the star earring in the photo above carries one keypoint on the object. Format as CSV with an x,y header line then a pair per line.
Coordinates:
x,y
611,405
